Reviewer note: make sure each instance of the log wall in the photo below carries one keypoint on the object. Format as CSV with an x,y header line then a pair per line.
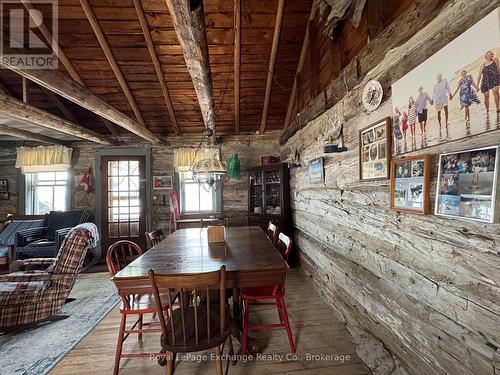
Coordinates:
x,y
427,287
8,171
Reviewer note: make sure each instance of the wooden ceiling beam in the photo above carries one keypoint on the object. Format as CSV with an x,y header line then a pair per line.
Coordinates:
x,y
300,64
24,134
67,88
156,62
64,60
237,63
17,110
272,62
60,105
189,23
89,13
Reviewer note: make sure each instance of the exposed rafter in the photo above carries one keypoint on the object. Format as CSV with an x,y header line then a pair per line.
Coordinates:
x,y
300,64
89,13
189,23
69,89
24,134
17,110
237,62
272,62
60,105
64,59
156,62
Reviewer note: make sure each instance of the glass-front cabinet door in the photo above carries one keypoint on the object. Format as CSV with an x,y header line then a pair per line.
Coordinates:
x,y
256,199
272,202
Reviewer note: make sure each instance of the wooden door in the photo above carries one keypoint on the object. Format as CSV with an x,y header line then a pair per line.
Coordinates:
x,y
123,200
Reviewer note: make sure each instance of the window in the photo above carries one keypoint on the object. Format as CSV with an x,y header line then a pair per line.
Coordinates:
x,y
46,191
196,197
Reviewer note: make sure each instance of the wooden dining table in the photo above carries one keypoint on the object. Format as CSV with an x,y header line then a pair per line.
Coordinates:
x,y
250,258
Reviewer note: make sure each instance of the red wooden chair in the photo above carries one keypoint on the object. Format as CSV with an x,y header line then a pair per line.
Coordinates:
x,y
274,293
119,255
272,232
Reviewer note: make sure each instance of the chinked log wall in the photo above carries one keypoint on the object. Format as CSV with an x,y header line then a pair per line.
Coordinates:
x,y
427,287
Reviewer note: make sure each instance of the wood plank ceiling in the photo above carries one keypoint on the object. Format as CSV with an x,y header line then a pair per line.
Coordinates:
x,y
117,25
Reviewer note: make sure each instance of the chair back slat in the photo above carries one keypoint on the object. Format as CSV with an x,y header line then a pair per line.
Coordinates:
x,y
193,323
272,232
120,255
154,238
284,246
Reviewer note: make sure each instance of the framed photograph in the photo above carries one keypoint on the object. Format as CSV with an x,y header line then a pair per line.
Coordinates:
x,y
4,184
443,99
375,151
467,184
410,179
4,196
316,171
162,182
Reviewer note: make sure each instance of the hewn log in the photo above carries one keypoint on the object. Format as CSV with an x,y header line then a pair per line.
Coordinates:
x,y
156,63
237,59
67,88
359,5
64,60
89,13
272,62
400,31
300,64
26,135
189,22
15,109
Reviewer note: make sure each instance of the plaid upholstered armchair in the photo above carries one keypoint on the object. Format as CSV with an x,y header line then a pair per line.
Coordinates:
x,y
45,241
42,287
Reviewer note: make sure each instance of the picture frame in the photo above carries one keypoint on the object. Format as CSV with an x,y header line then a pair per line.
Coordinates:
x,y
375,151
316,171
410,184
162,182
4,196
467,184
4,184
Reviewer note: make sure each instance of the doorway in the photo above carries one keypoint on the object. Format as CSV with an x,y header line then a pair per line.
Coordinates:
x,y
123,199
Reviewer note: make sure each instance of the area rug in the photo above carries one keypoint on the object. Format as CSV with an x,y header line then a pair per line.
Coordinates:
x,y
37,350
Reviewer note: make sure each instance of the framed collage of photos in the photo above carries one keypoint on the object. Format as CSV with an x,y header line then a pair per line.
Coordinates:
x,y
316,171
467,182
375,150
409,189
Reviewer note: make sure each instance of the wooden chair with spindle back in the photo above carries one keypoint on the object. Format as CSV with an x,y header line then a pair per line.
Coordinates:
x,y
198,324
154,238
272,232
119,255
274,294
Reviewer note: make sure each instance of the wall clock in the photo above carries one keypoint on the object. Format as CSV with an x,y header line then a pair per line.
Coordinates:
x,y
372,95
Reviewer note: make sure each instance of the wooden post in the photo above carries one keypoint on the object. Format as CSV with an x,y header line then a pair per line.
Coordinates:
x,y
189,23
272,62
237,62
14,109
24,134
156,62
25,89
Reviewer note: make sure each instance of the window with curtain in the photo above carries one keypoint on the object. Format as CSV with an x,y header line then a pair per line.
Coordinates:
x,y
46,191
196,197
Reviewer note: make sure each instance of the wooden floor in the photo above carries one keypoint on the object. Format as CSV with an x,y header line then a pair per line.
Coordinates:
x,y
315,329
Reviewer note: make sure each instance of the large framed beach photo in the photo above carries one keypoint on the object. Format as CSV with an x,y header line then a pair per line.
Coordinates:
x,y
467,184
409,189
375,150
451,95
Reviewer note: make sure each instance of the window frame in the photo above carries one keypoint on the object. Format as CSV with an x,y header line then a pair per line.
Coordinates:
x,y
217,195
29,190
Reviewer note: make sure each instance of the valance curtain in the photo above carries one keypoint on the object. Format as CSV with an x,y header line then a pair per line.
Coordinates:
x,y
43,158
184,158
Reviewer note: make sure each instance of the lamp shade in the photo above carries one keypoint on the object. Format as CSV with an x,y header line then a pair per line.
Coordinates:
x,y
209,166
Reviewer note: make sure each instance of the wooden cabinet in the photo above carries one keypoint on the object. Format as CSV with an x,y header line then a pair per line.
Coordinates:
x,y
269,196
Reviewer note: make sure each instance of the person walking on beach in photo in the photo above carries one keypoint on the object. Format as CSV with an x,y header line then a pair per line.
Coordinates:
x,y
489,79
422,100
440,97
412,115
404,124
468,95
396,124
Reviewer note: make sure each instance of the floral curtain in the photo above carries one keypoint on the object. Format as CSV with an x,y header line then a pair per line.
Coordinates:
x,y
184,158
43,158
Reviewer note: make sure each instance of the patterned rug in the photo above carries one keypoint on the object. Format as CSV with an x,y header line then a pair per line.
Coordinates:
x,y
37,350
